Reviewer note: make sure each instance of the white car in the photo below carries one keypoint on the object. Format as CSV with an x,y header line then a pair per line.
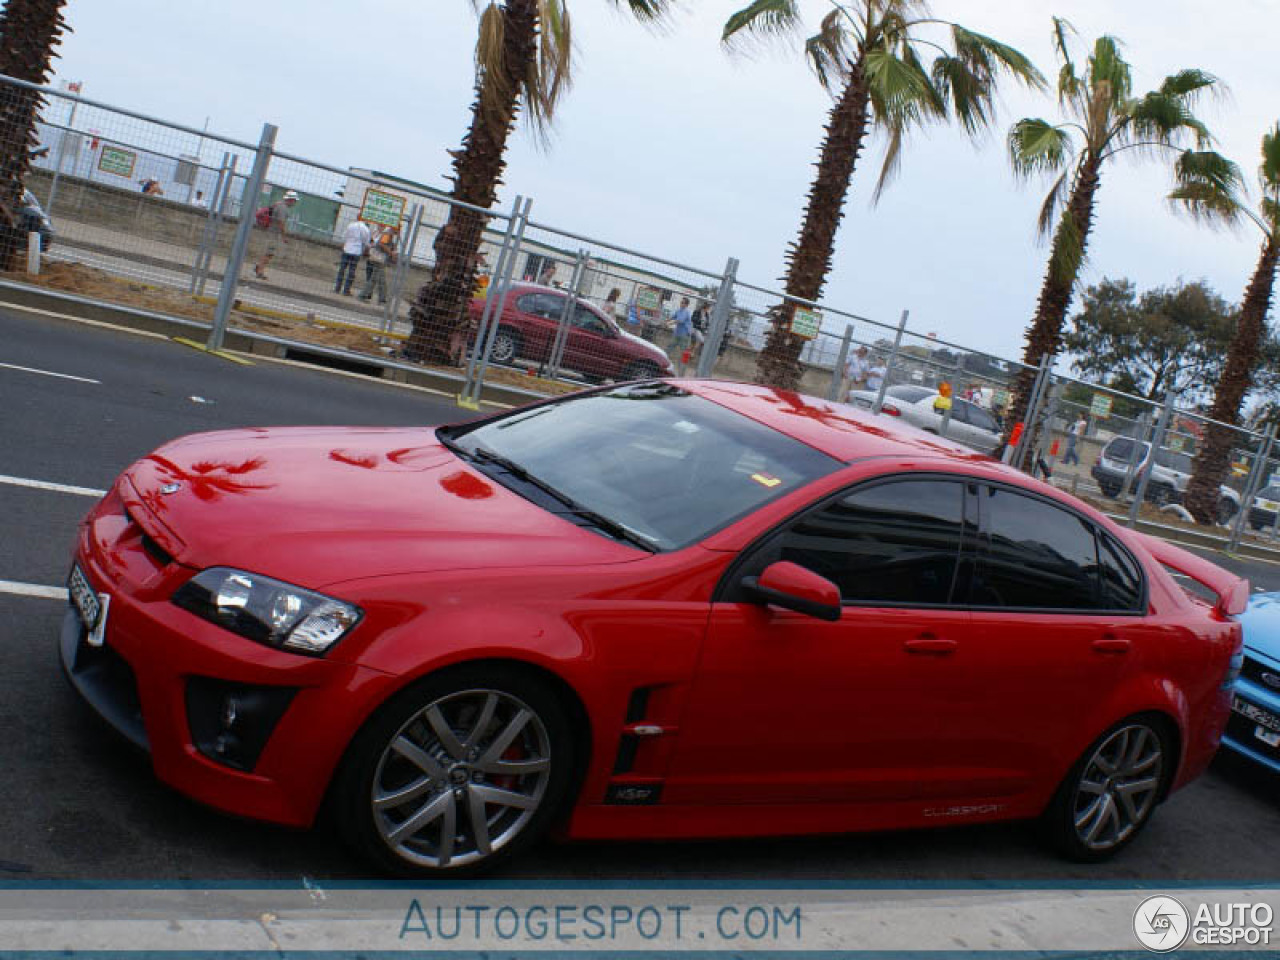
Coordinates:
x,y
969,423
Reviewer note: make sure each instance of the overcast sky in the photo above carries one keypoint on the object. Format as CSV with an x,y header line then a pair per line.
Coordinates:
x,y
668,145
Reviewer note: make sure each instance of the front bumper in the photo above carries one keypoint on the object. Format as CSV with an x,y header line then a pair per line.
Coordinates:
x,y
140,679
1245,735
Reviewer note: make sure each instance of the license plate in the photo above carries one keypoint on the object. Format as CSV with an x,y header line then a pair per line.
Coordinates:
x,y
1263,718
1268,505
1269,737
91,606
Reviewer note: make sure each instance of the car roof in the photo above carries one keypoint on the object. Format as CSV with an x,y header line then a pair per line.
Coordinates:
x,y
839,430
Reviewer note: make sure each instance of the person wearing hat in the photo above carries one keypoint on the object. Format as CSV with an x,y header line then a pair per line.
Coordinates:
x,y
273,220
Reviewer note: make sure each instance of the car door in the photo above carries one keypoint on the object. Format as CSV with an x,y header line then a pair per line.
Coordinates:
x,y
1056,608
791,709
986,432
539,316
589,348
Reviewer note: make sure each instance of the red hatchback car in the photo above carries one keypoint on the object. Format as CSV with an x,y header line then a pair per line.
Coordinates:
x,y
595,346
656,610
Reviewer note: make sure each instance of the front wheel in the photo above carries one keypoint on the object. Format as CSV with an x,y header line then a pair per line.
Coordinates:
x,y
1226,511
641,370
1111,792
457,773
506,346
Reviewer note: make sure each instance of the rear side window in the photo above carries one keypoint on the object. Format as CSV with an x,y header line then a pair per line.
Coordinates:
x,y
1121,581
1034,555
892,543
909,393
546,305
1122,448
983,420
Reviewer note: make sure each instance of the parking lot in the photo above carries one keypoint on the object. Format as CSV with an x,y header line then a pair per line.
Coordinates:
x,y
81,402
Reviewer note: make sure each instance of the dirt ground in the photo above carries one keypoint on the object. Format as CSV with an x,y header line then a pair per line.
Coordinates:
x,y
100,285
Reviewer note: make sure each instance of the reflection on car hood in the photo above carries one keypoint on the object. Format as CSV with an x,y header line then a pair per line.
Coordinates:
x,y
1261,623
315,506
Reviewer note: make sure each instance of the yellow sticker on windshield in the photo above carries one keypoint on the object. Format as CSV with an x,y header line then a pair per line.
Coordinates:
x,y
765,480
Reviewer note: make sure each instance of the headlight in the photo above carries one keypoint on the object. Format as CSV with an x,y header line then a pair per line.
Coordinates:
x,y
266,610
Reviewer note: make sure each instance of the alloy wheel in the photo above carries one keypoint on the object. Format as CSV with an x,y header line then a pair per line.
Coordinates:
x,y
504,348
1118,787
461,778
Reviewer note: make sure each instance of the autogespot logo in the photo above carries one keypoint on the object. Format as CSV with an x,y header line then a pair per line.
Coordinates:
x,y
1161,924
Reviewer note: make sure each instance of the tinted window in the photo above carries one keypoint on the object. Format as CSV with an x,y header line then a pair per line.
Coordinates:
x,y
958,412
546,305
982,420
1121,581
895,542
1122,448
1269,493
1174,461
1035,555
909,393
668,466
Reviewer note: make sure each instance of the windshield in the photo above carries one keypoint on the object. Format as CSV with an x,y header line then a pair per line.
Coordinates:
x,y
657,463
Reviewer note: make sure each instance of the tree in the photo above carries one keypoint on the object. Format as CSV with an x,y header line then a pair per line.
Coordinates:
x,y
523,61
873,58
29,32
1207,199
1170,338
1104,121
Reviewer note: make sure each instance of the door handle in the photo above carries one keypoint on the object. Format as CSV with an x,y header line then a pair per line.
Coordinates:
x,y
928,644
1110,643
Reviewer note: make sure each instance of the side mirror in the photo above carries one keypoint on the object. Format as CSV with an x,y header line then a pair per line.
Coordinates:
x,y
792,587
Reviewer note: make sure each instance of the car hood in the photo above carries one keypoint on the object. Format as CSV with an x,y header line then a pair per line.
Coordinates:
x,y
317,506
644,346
1261,624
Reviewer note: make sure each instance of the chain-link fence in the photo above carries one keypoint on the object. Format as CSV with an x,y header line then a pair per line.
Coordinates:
x,y
239,235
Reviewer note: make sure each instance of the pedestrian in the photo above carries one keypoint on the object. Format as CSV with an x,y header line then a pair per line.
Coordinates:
x,y
875,374
355,244
273,222
1074,434
683,338
151,188
855,371
382,254
200,201
610,306
547,274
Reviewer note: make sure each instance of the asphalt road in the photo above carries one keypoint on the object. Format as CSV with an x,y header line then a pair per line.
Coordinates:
x,y
77,804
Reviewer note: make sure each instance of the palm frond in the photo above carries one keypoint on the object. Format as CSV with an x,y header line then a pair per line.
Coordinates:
x,y
1161,118
1052,201
762,20
1186,84
1271,214
901,91
892,162
1037,146
956,83
1108,71
1067,256
987,57
1208,187
828,51
491,78
1070,86
646,9
1269,172
1062,31
550,72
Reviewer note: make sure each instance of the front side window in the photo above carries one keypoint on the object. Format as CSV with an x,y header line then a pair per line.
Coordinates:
x,y
888,544
1034,555
545,305
665,466
585,320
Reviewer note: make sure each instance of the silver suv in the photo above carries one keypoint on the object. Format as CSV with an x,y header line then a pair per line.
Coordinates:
x,y
1170,474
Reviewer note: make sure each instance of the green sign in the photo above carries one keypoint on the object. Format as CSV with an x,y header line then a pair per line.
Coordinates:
x,y
1177,444
805,324
647,299
1101,405
117,161
1000,400
381,207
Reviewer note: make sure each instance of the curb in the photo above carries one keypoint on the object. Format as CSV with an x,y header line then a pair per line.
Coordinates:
x,y
252,343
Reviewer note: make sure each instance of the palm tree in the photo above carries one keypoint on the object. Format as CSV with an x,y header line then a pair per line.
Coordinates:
x,y
29,31
1104,120
523,60
1206,199
873,58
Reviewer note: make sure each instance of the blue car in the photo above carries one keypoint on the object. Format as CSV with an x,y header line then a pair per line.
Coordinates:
x,y
1254,727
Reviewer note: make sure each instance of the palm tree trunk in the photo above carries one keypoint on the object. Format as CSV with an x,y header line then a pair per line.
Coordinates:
x,y
809,261
29,30
1065,256
440,308
1237,378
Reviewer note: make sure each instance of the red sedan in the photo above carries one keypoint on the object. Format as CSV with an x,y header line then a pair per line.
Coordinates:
x,y
655,610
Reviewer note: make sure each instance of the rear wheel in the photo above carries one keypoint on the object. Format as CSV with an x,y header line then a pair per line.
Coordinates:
x,y
1108,489
457,773
506,346
641,370
1111,792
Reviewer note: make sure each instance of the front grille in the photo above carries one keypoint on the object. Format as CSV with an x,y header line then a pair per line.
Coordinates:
x,y
1256,672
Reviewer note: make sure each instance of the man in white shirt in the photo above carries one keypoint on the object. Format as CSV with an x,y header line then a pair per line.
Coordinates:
x,y
855,371
1074,433
355,243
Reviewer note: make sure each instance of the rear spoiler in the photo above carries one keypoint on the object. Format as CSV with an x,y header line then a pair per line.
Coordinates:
x,y
1232,591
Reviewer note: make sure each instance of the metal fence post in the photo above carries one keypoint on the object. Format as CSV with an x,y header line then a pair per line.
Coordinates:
x,y
491,296
552,367
1032,414
1140,433
205,253
888,367
1157,441
720,312
223,206
231,276
837,372
495,305
402,269
1251,487
70,131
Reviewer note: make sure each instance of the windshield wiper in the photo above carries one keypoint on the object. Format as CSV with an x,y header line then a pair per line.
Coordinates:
x,y
598,520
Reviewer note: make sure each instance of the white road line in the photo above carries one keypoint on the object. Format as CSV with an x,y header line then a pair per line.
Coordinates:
x,y
55,487
32,590
48,373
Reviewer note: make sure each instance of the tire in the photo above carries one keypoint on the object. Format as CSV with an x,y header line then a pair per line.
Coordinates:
x,y
506,346
444,748
1226,511
1108,489
1095,813
641,370
1161,495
